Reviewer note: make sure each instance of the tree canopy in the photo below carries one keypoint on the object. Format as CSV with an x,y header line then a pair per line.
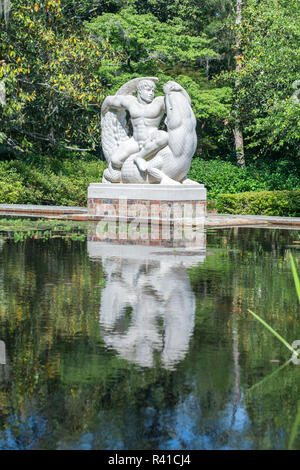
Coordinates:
x,y
53,78
60,58
269,66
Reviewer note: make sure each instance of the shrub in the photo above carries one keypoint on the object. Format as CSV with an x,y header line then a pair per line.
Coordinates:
x,y
51,182
276,203
225,177
11,193
11,187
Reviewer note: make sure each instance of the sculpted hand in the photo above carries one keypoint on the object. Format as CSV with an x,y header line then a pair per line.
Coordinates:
x,y
171,86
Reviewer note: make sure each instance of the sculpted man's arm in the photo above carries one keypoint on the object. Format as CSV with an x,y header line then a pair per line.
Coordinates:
x,y
161,100
116,102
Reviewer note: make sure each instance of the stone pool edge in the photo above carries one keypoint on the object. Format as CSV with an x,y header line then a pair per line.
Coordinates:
x,y
81,214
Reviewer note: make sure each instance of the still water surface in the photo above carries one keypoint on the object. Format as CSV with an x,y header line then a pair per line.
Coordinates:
x,y
107,347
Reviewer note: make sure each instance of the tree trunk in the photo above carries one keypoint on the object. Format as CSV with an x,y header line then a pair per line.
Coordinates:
x,y
239,145
237,131
5,10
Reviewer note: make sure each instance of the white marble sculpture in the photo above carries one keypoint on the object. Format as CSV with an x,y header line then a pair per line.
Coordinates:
x,y
147,154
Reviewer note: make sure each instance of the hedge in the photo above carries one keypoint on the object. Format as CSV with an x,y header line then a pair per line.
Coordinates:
x,y
55,183
220,177
276,203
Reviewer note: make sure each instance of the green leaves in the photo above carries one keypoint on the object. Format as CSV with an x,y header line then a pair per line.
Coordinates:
x,y
60,58
277,335
53,79
296,277
143,38
53,180
269,64
147,45
270,203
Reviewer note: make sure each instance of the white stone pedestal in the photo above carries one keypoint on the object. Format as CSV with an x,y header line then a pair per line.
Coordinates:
x,y
153,202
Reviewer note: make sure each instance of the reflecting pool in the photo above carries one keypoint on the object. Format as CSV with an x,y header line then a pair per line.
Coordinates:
x,y
138,346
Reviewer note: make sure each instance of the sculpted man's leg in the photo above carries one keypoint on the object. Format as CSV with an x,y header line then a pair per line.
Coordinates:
x,y
157,141
161,177
111,175
189,181
127,148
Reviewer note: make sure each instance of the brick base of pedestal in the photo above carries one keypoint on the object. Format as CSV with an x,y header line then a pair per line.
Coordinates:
x,y
147,202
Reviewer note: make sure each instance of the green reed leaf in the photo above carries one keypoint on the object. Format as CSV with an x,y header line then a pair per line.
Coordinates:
x,y
274,332
296,277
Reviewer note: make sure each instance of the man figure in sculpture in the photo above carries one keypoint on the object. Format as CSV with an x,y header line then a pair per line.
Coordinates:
x,y
146,113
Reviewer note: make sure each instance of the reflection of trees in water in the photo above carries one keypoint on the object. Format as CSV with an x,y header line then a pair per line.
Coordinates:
x,y
50,323
253,271
45,290
64,384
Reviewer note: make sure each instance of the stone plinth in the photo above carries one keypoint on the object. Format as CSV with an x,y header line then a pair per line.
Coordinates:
x,y
152,202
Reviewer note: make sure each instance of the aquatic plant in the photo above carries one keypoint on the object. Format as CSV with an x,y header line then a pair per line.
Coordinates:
x,y
274,332
296,277
278,336
43,229
296,424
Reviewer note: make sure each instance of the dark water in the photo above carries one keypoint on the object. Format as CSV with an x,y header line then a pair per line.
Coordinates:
x,y
106,347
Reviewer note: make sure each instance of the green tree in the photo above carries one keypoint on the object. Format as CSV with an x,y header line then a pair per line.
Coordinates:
x,y
148,46
55,79
267,66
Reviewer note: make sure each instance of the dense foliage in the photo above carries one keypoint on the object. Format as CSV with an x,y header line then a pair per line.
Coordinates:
x,y
276,203
50,181
60,58
267,77
53,79
224,177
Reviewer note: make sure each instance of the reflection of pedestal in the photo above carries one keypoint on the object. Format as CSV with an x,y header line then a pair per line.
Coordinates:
x,y
147,304
148,201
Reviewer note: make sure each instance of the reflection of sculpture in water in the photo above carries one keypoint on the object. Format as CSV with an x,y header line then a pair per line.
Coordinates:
x,y
147,306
